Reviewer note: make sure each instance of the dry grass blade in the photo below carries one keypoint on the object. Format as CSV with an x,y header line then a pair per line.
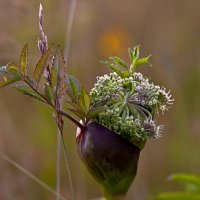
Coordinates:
x,y
31,176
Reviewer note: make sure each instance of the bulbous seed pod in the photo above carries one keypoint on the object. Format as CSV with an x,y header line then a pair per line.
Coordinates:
x,y
111,159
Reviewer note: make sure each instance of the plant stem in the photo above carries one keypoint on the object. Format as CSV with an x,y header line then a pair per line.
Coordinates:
x,y
71,118
67,165
31,176
58,162
54,107
68,41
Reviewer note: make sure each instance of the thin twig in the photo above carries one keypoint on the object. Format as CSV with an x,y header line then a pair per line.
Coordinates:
x,y
31,176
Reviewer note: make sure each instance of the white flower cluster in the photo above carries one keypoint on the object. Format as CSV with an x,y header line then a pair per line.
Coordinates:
x,y
137,90
146,94
105,86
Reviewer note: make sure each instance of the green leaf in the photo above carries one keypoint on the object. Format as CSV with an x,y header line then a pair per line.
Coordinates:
x,y
73,86
116,69
24,59
29,92
77,113
84,100
48,92
62,72
74,105
13,68
40,67
186,179
178,196
54,75
142,61
9,81
134,53
94,112
119,61
113,67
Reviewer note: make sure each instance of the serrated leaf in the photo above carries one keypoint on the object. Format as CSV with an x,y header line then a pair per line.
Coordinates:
x,y
178,196
104,101
142,61
29,92
74,105
48,92
24,59
84,100
61,71
54,75
12,68
116,69
77,113
8,81
40,67
119,61
95,111
73,86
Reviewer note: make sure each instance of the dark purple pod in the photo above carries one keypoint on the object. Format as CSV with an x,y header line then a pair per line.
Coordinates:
x,y
111,159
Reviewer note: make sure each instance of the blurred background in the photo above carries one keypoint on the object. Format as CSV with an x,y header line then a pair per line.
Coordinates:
x,y
169,30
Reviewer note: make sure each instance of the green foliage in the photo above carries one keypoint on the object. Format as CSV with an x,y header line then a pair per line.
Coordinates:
x,y
48,92
178,196
8,81
74,86
117,64
29,92
24,59
40,67
192,188
9,74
